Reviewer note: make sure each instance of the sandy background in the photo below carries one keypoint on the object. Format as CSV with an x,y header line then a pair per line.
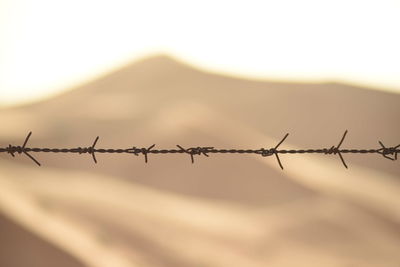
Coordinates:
x,y
228,210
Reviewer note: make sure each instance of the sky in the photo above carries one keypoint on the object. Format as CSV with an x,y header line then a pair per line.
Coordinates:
x,y
48,46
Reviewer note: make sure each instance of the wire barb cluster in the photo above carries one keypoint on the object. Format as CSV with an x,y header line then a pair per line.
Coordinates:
x,y
387,152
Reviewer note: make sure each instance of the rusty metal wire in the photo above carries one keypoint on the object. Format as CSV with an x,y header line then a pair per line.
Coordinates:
x,y
387,152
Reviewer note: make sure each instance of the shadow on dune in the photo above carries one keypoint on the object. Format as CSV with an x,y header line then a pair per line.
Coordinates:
x,y
19,247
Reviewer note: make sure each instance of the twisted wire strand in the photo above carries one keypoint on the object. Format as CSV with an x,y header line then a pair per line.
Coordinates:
x,y
389,153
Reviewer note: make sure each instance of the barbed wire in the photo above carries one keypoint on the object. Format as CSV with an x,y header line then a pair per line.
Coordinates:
x,y
387,152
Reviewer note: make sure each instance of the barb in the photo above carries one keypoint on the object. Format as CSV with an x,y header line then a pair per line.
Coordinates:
x,y
146,151
274,151
21,149
336,150
195,151
387,152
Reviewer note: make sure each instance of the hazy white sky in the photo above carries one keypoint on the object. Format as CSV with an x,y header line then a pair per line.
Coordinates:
x,y
47,46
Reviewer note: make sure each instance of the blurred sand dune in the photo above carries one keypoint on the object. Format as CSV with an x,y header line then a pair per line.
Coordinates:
x,y
224,211
151,227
